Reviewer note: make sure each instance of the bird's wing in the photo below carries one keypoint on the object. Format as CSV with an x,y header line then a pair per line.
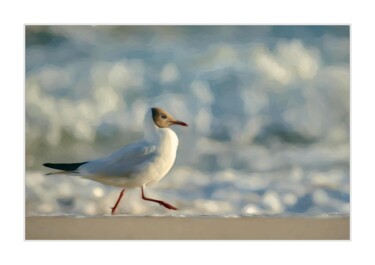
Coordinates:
x,y
123,162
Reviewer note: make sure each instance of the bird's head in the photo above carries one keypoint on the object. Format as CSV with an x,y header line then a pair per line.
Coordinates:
x,y
163,119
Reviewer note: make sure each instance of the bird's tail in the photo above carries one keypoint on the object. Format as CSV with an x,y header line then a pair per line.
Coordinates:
x,y
67,168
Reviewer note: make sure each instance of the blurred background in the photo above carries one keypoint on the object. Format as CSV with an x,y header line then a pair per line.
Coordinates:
x,y
267,107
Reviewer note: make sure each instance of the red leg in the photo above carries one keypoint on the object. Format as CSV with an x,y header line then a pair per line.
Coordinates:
x,y
118,201
166,205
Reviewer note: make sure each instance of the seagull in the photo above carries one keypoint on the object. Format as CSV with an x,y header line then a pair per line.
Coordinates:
x,y
135,165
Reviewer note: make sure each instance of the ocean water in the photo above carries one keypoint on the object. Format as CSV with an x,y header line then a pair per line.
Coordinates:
x,y
267,106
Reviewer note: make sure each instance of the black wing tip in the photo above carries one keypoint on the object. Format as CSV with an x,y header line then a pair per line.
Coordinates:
x,y
47,164
67,167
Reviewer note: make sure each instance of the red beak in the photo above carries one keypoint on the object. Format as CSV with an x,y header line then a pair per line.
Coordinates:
x,y
180,123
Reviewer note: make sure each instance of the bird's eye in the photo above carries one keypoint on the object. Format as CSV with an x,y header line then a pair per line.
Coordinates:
x,y
164,116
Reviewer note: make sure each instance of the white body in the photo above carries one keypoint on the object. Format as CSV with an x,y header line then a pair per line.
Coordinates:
x,y
138,164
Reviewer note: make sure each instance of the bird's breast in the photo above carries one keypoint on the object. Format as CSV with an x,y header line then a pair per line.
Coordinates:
x,y
168,146
166,153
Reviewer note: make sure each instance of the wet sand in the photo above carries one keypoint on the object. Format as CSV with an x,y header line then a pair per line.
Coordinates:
x,y
188,228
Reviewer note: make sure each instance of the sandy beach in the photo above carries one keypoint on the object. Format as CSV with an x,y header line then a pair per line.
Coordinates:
x,y
187,228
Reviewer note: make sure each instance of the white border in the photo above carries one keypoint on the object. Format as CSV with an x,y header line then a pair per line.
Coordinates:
x,y
18,13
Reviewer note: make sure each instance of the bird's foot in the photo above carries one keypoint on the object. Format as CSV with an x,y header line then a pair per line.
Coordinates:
x,y
167,205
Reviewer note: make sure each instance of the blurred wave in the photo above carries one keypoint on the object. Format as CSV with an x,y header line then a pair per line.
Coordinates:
x,y
268,109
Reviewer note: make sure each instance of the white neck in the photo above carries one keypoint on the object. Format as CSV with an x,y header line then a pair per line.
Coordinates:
x,y
156,135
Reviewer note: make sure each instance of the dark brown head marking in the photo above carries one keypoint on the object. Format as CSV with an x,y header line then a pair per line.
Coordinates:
x,y
163,119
